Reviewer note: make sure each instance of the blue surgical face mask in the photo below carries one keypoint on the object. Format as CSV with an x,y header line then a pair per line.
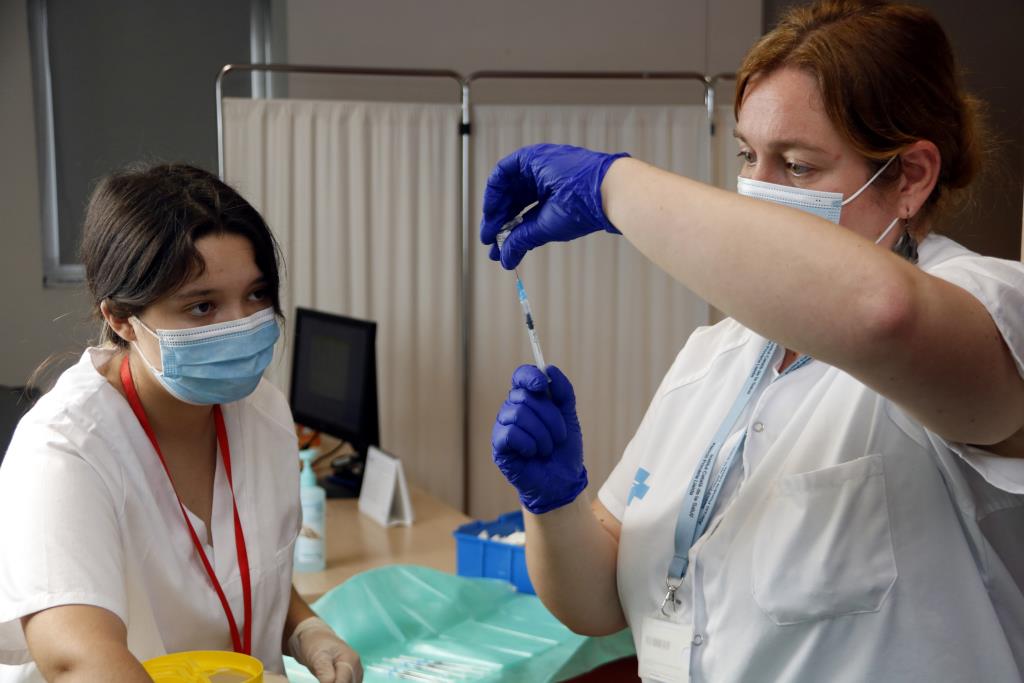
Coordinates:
x,y
217,363
827,205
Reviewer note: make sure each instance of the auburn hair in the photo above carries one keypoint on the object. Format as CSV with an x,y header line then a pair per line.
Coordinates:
x,y
887,77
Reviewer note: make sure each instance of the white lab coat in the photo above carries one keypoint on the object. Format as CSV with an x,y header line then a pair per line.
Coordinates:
x,y
852,544
88,516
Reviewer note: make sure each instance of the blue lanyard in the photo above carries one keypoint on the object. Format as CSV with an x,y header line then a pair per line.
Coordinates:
x,y
699,501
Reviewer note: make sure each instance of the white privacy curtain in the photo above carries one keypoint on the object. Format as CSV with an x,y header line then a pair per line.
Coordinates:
x,y
363,198
610,319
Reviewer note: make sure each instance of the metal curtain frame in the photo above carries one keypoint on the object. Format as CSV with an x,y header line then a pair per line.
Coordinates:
x,y
708,82
465,129
310,69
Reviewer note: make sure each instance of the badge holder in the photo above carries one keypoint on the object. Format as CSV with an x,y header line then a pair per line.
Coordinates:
x,y
665,644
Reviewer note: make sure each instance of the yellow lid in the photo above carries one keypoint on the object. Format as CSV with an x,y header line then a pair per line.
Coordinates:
x,y
205,666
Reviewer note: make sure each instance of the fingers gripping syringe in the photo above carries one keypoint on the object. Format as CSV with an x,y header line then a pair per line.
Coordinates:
x,y
524,302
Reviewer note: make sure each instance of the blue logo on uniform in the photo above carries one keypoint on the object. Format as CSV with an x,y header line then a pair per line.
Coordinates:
x,y
640,488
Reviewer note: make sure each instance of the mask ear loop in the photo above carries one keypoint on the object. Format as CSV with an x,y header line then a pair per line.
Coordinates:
x,y
887,230
138,347
871,180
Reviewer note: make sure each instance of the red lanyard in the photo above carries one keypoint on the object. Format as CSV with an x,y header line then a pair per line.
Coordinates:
x,y
243,646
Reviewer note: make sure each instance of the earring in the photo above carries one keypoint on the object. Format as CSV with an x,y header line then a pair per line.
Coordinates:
x,y
906,245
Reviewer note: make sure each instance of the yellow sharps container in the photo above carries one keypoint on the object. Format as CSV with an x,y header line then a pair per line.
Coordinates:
x,y
205,666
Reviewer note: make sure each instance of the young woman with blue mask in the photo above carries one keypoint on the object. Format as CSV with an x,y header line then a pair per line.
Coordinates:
x,y
824,487
149,502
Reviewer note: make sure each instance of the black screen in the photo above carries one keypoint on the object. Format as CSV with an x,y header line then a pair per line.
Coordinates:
x,y
332,368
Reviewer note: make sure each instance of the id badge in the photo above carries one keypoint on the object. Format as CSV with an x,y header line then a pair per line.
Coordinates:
x,y
665,651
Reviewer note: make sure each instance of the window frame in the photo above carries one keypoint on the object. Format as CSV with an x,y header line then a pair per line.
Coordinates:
x,y
55,272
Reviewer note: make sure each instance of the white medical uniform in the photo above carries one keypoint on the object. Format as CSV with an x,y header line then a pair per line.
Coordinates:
x,y
852,544
88,516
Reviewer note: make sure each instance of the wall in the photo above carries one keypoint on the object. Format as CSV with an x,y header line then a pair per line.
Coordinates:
x,y
531,34
572,35
39,322
986,40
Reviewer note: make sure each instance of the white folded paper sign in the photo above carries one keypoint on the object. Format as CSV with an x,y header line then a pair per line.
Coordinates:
x,y
384,497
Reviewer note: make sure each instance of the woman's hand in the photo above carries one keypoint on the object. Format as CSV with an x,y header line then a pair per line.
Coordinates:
x,y
316,646
566,184
537,442
571,552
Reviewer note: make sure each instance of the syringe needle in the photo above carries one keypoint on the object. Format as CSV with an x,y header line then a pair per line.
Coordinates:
x,y
538,355
524,302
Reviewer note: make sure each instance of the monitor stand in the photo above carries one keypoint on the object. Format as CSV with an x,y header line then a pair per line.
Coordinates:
x,y
346,479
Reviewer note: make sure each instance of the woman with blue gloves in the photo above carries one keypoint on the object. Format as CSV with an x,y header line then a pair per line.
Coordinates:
x,y
823,487
149,503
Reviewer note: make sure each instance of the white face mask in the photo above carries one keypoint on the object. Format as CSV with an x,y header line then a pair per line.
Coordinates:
x,y
827,205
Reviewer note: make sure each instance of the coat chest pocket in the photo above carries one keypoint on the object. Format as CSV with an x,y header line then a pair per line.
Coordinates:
x,y
823,547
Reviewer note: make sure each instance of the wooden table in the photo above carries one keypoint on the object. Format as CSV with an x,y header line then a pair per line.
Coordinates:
x,y
356,543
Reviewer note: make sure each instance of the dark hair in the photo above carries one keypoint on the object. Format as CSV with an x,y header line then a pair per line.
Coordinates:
x,y
141,228
887,77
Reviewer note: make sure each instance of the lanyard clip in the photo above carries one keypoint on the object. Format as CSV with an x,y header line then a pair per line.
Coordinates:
x,y
670,598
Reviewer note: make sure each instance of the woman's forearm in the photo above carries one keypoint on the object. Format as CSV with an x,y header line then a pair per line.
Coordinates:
x,y
786,275
572,563
926,344
115,664
81,644
298,611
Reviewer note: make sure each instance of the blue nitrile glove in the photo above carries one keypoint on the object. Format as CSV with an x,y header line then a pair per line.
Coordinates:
x,y
566,181
536,441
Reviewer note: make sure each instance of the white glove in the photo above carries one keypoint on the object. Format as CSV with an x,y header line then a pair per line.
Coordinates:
x,y
316,646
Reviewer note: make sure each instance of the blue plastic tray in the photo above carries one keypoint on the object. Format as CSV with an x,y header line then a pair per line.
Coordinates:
x,y
477,557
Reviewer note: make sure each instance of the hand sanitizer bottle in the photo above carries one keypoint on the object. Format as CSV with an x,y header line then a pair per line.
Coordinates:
x,y
309,546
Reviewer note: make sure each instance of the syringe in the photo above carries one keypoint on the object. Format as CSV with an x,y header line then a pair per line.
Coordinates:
x,y
524,302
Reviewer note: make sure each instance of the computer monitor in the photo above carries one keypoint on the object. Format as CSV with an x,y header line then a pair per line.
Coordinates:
x,y
334,387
